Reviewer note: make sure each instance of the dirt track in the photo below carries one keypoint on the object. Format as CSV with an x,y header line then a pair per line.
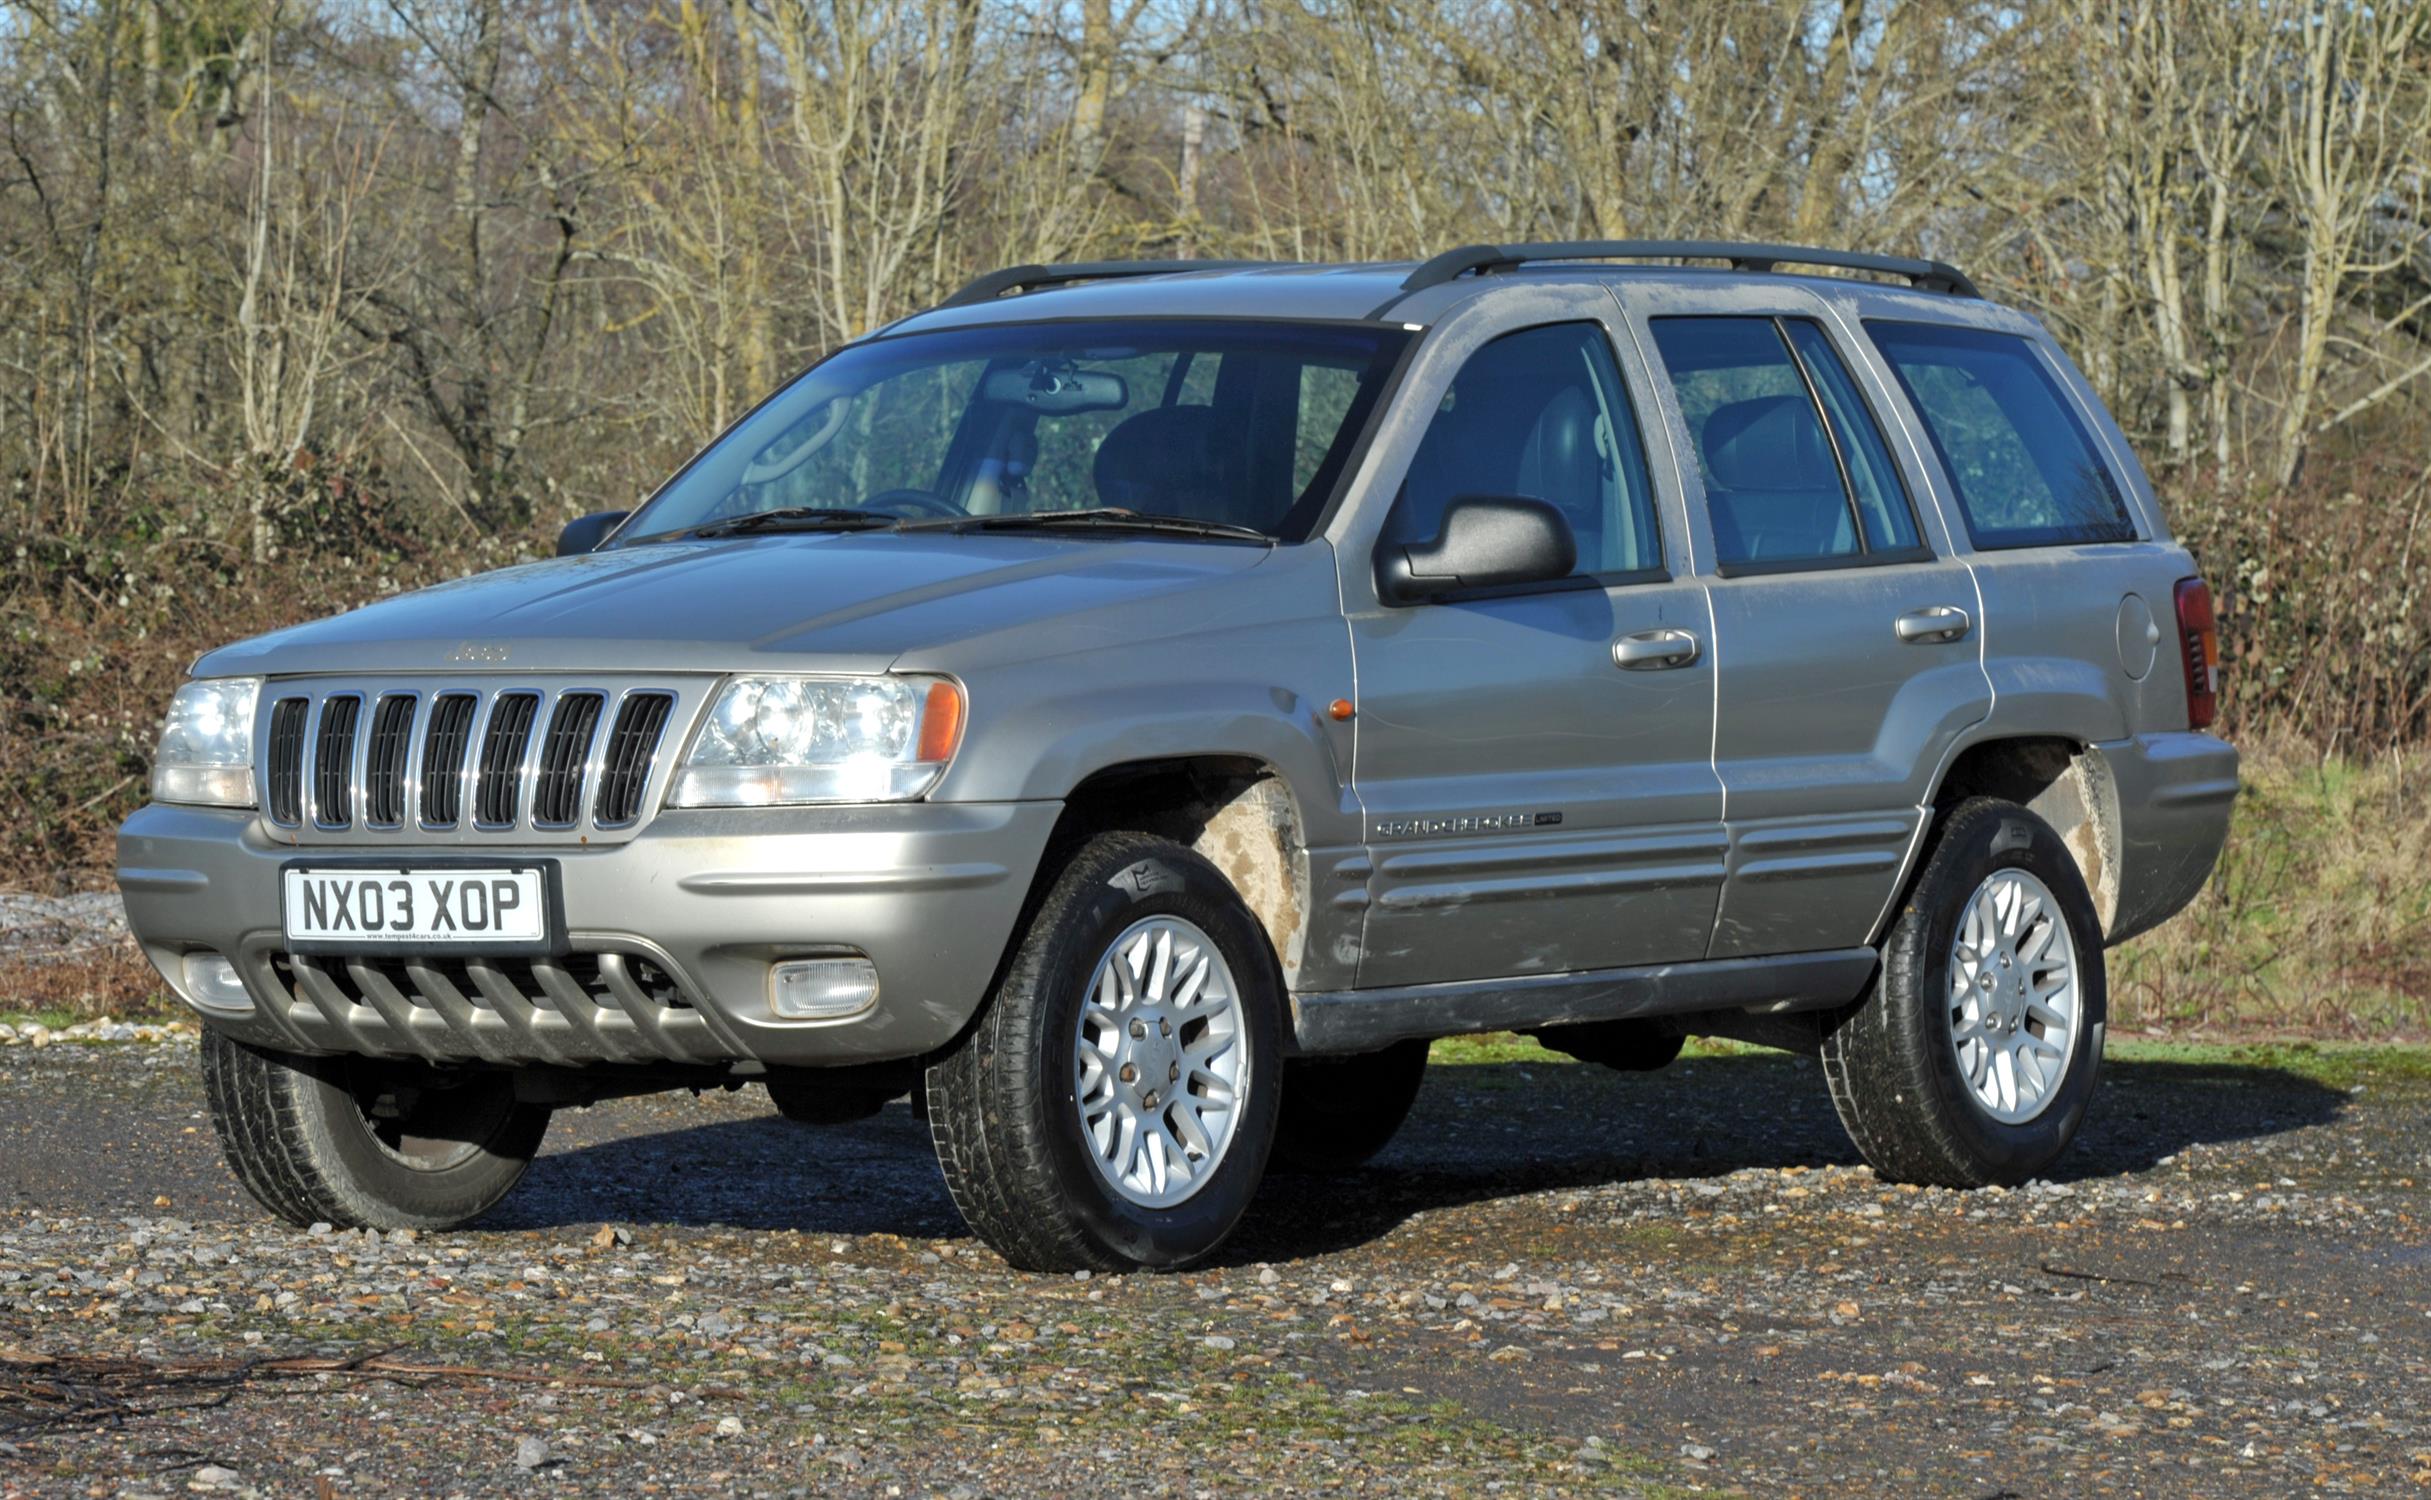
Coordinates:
x,y
1557,1279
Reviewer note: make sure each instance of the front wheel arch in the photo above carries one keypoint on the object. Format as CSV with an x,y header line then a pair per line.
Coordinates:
x,y
1238,812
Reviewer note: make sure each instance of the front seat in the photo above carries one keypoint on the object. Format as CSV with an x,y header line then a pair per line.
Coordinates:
x,y
1534,436
1176,460
1559,463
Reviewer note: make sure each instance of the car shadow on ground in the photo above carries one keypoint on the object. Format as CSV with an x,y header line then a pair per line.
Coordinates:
x,y
1481,1131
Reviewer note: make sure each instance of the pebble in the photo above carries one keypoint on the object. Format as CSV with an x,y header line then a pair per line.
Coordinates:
x,y
36,927
694,1320
107,1029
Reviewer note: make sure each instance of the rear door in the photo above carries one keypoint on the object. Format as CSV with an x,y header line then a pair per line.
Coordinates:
x,y
1534,806
1845,630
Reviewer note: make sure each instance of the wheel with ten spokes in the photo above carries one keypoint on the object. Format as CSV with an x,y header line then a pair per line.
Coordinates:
x,y
1113,1105
1973,1059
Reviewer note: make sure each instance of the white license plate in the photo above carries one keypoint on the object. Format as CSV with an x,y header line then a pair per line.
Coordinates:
x,y
362,907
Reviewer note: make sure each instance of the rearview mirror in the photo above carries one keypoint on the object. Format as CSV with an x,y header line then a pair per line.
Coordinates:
x,y
585,533
1058,389
1487,541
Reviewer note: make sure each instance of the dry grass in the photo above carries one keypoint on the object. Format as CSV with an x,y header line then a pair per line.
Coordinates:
x,y
2318,920
62,989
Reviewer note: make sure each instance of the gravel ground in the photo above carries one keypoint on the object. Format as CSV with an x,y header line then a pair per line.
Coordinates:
x,y
38,927
1558,1280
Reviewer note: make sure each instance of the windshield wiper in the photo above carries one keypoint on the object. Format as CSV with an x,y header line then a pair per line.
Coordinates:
x,y
795,518
1104,518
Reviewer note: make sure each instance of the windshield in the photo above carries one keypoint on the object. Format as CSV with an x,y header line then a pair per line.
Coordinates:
x,y
1233,423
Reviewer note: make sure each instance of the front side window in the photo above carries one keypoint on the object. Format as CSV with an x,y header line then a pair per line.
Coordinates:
x,y
1796,472
1235,422
1540,413
2026,471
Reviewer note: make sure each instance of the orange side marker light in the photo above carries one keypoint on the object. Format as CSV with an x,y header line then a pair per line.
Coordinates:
x,y
941,723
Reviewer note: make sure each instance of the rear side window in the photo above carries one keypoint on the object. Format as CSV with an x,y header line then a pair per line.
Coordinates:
x,y
2026,470
1882,502
1796,473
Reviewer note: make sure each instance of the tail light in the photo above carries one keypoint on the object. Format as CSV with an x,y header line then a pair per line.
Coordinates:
x,y
2199,646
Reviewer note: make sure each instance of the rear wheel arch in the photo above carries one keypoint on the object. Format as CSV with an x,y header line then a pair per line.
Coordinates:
x,y
2058,779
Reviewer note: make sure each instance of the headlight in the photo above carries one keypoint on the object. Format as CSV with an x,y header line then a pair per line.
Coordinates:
x,y
772,740
206,747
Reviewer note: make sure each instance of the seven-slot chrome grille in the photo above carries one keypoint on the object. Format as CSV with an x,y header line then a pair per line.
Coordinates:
x,y
467,759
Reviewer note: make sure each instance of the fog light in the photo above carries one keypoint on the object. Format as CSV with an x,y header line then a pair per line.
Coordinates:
x,y
822,989
212,983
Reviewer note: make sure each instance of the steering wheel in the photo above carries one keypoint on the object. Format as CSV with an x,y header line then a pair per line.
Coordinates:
x,y
910,502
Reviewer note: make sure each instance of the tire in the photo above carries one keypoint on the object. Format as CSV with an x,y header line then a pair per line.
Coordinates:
x,y
1005,1105
1340,1111
297,1134
1906,1086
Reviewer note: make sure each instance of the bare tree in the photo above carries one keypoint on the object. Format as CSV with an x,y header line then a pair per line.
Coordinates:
x,y
298,288
473,328
2356,106
883,107
643,214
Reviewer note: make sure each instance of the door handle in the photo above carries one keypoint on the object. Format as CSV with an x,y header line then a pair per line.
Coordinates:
x,y
1654,650
1933,623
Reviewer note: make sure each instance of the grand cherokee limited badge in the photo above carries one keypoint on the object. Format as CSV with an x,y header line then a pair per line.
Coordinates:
x,y
1505,822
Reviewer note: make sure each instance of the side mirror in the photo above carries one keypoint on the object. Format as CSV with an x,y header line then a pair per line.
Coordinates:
x,y
1487,541
585,533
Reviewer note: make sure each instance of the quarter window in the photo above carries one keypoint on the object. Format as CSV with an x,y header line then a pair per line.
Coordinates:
x,y
1796,471
1541,413
2026,471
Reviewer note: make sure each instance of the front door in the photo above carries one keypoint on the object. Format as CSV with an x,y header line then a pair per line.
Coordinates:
x,y
1533,763
1847,635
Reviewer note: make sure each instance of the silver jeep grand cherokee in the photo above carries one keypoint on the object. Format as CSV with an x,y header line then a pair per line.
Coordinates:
x,y
1134,707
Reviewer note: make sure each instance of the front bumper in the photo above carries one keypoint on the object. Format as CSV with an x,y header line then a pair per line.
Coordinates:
x,y
671,936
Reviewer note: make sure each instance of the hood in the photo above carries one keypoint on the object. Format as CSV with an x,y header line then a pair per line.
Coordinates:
x,y
827,601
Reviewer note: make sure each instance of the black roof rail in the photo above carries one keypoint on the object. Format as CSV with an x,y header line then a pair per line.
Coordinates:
x,y
1927,275
1028,278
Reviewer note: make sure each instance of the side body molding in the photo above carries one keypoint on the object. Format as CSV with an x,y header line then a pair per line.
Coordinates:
x,y
1348,1022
